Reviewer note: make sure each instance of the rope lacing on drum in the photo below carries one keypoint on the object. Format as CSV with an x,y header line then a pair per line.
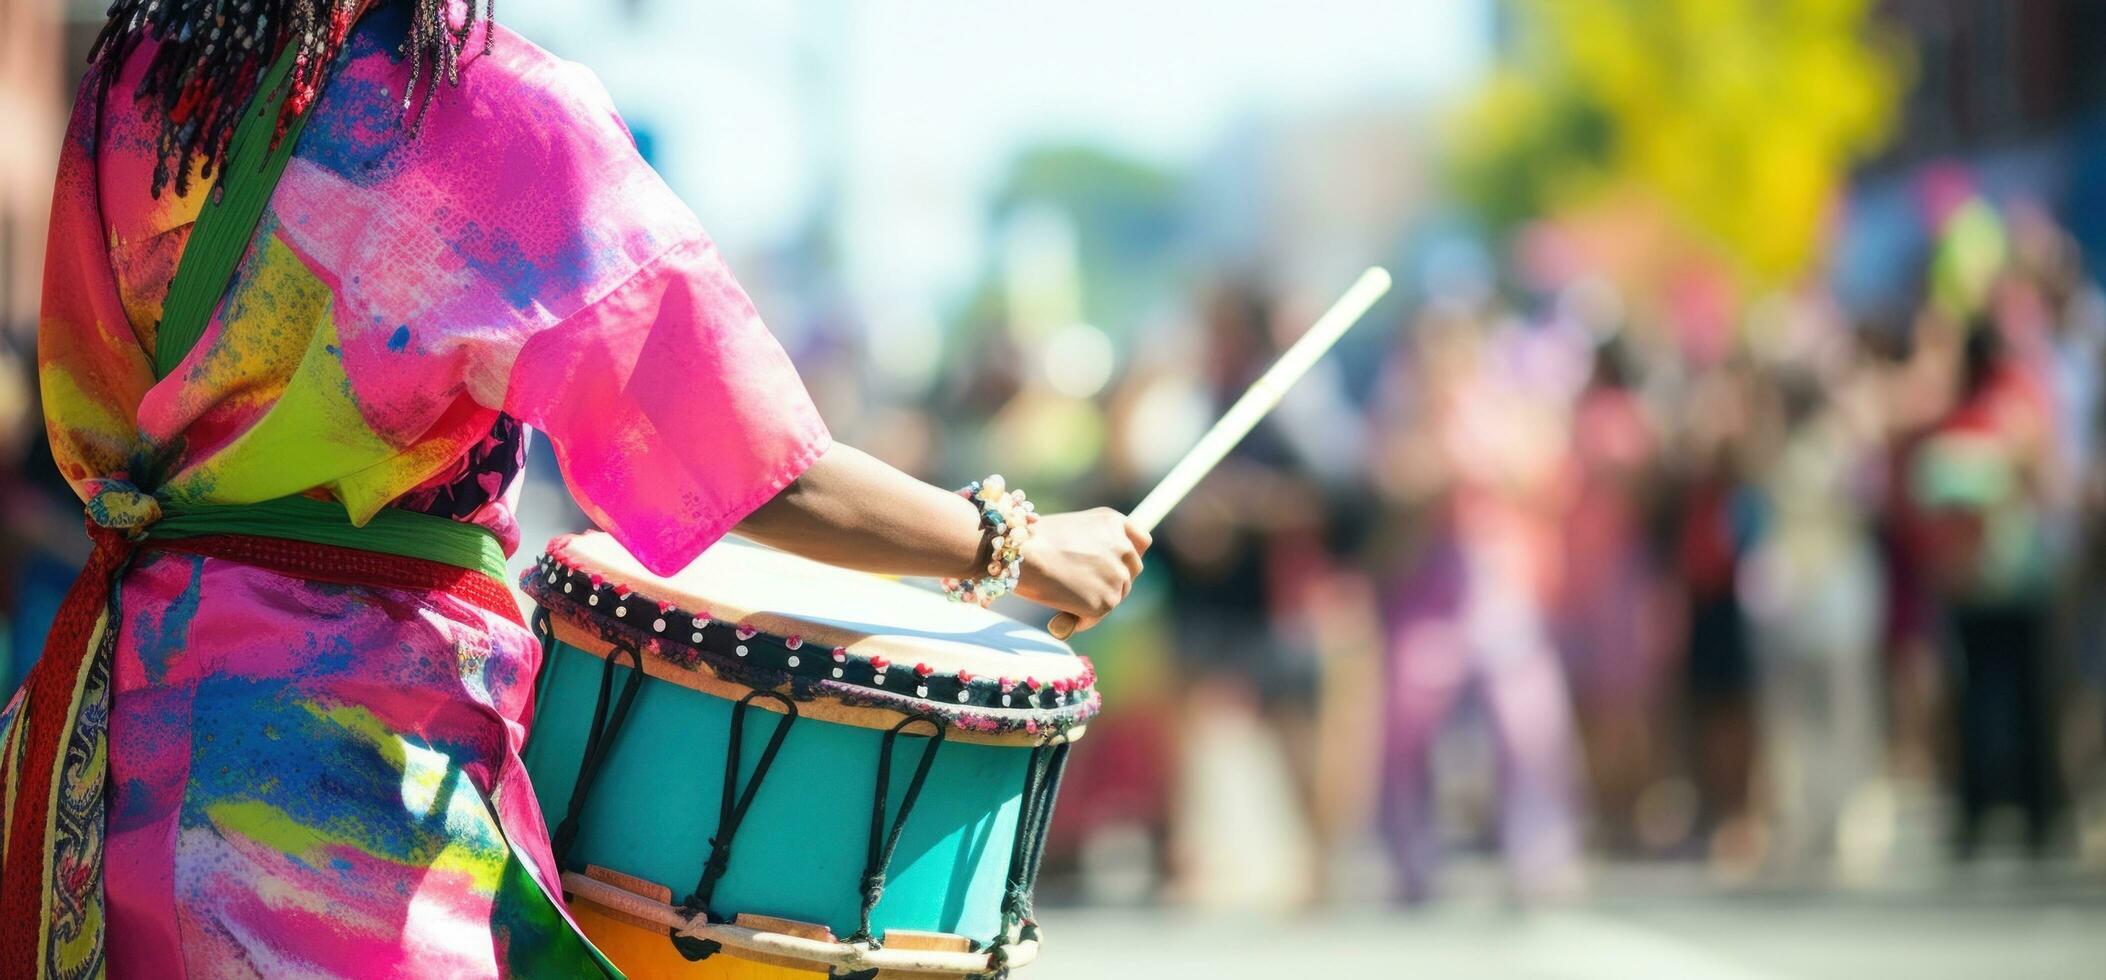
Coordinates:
x,y
884,841
599,741
732,812
1041,789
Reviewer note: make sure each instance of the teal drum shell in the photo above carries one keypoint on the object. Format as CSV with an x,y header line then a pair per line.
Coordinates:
x,y
651,806
800,851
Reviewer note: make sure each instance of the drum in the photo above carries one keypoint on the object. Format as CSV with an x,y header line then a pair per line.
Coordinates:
x,y
794,765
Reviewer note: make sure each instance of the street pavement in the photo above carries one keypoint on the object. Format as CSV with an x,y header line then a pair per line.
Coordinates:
x,y
1975,934
1921,917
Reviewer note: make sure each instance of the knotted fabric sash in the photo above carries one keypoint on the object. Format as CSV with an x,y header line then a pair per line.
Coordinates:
x,y
54,744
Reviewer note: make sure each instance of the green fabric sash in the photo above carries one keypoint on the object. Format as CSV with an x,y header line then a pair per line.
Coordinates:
x,y
228,220
403,533
225,226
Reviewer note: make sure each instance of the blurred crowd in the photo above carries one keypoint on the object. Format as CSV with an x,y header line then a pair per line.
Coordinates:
x,y
1772,598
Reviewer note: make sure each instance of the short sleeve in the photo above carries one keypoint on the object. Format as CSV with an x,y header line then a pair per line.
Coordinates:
x,y
517,251
673,411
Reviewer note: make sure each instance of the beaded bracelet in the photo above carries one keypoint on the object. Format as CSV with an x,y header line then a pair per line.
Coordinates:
x,y
1007,518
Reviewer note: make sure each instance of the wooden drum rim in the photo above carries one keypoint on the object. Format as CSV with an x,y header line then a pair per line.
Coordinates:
x,y
594,597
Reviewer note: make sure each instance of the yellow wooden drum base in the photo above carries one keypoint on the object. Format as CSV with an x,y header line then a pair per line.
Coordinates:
x,y
646,954
627,918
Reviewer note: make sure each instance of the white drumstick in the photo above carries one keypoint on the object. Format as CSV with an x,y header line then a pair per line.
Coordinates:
x,y
1264,395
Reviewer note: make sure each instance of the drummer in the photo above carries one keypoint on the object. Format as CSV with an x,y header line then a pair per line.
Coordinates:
x,y
310,734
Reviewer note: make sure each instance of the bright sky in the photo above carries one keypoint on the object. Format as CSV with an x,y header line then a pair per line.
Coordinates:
x,y
912,107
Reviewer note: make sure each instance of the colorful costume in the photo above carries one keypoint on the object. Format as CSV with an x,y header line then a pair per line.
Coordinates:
x,y
305,759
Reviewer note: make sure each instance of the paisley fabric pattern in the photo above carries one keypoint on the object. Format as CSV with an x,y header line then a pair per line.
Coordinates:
x,y
308,778
74,947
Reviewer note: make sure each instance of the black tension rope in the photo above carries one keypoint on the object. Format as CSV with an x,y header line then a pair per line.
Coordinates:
x,y
883,841
1041,783
731,813
1048,796
1013,879
599,741
1041,787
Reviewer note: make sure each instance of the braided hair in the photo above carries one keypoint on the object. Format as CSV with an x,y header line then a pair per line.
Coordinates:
x,y
214,53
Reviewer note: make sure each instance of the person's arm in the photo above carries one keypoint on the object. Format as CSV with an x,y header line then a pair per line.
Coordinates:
x,y
855,511
852,510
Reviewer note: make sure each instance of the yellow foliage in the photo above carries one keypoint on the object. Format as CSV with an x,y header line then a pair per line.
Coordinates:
x,y
1743,116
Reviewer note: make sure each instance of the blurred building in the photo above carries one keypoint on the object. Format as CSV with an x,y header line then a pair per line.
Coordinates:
x,y
2008,99
1992,75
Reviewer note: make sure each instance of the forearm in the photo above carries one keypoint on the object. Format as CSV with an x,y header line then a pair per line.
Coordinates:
x,y
853,510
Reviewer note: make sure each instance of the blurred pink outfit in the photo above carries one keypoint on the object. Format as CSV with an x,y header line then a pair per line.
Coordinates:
x,y
1469,619
1456,632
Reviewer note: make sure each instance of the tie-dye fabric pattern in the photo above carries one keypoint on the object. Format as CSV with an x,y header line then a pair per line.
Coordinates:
x,y
320,780
516,257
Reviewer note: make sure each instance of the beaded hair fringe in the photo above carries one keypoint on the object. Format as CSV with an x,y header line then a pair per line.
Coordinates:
x,y
213,54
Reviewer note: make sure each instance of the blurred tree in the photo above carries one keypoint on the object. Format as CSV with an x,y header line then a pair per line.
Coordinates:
x,y
1126,221
1741,117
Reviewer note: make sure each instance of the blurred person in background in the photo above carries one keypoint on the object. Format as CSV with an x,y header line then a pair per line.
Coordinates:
x,y
1911,372
40,547
1717,517
1238,559
1811,584
2047,296
1980,478
1608,626
1115,837
1475,452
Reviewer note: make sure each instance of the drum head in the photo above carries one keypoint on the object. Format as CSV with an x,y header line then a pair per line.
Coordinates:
x,y
856,648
